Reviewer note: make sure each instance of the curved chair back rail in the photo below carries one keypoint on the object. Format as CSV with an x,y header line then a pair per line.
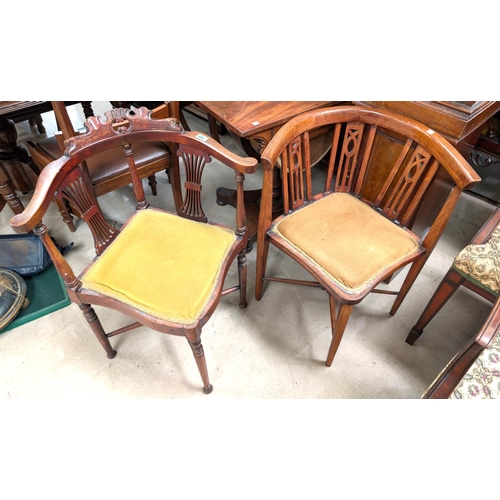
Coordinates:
x,y
390,187
165,270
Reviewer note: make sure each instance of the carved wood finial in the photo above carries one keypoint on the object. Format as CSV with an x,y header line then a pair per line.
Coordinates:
x,y
118,122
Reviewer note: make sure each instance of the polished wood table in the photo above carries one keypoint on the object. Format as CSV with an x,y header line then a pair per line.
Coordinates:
x,y
252,124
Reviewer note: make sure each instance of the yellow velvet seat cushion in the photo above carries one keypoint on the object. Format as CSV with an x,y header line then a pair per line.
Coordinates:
x,y
347,240
163,265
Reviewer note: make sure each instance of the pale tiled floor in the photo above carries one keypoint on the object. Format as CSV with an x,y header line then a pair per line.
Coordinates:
x,y
274,348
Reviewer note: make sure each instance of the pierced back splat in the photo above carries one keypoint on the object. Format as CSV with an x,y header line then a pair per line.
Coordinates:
x,y
194,164
77,190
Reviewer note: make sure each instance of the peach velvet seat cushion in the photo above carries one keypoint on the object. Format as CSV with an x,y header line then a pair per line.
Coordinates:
x,y
349,241
163,265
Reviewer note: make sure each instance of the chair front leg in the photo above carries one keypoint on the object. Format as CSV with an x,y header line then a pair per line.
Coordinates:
x,y
199,356
260,272
97,328
339,322
242,275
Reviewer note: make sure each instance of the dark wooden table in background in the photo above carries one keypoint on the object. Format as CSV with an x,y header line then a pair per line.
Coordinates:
x,y
252,124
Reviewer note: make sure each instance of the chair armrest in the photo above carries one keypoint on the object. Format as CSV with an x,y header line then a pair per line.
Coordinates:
x,y
210,146
46,187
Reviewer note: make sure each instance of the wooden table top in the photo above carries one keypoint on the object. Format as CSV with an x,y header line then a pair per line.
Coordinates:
x,y
9,107
246,118
22,110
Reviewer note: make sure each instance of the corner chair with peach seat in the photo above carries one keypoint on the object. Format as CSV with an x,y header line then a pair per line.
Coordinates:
x,y
390,187
164,270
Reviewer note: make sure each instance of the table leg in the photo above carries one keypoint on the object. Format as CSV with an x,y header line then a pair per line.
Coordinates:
x,y
12,174
8,194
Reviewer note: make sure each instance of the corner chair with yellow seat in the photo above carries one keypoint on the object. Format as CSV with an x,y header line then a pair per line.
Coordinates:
x,y
108,170
389,189
164,270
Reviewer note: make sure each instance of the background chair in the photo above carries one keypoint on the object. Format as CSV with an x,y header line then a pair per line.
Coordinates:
x,y
476,267
390,187
165,270
474,373
109,170
155,105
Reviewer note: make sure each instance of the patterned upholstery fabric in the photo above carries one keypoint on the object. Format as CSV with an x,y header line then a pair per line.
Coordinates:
x,y
482,381
481,263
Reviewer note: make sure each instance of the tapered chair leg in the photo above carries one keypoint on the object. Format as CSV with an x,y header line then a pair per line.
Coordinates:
x,y
260,271
412,275
199,356
97,328
445,290
242,276
339,322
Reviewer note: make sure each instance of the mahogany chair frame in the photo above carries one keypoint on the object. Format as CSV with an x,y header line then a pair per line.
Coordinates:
x,y
66,178
400,187
120,178
445,383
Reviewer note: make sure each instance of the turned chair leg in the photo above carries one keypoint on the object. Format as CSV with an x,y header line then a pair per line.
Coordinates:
x,y
448,286
64,210
339,322
37,121
96,326
153,183
199,356
242,275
